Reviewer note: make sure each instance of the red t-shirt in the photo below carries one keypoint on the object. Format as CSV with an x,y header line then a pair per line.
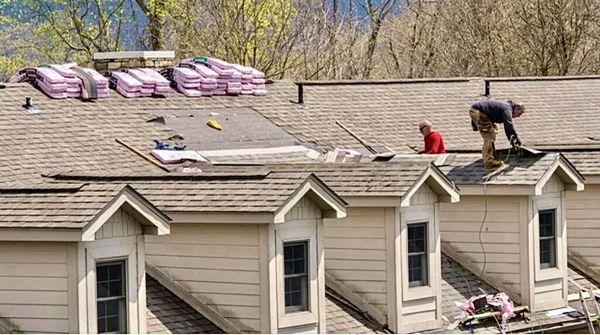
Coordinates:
x,y
434,144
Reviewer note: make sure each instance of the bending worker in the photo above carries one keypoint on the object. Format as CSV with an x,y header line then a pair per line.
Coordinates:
x,y
484,117
434,143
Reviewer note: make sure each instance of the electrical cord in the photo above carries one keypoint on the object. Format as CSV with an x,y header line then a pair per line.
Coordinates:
x,y
489,176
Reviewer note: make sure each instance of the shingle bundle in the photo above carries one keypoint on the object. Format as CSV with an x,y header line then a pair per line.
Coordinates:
x,y
127,85
188,82
51,82
234,79
61,81
152,82
208,82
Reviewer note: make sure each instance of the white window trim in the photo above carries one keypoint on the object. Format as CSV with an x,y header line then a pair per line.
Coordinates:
x,y
418,214
544,203
106,250
293,232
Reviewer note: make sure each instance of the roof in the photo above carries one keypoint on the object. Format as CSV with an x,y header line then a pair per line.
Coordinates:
x,y
65,207
344,318
253,190
241,128
167,314
459,284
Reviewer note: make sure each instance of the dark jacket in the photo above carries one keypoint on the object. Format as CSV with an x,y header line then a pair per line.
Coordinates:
x,y
498,112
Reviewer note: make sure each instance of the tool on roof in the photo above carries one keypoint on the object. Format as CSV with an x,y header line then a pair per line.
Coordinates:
x,y
214,124
379,156
141,154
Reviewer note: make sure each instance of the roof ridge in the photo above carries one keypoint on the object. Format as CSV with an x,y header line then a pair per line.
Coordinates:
x,y
381,81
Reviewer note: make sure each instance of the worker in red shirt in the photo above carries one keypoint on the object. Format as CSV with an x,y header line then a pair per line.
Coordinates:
x,y
434,143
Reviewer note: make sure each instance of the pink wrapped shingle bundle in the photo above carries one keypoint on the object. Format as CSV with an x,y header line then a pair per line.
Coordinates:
x,y
258,82
100,80
208,77
126,84
177,156
148,82
162,84
51,82
246,78
188,82
73,82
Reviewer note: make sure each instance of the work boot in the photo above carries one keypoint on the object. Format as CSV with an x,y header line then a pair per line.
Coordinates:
x,y
493,164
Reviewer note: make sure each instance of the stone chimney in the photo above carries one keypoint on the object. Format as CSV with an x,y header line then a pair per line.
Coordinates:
x,y
110,61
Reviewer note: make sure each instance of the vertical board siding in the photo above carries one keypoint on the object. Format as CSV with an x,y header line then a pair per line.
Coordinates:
x,y
424,196
583,227
33,286
304,209
217,263
460,224
120,224
355,253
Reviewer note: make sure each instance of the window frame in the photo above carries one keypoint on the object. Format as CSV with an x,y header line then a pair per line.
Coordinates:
x,y
553,261
541,203
305,290
421,213
121,298
422,254
296,232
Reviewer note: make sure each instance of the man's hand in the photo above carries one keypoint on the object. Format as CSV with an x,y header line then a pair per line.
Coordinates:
x,y
515,142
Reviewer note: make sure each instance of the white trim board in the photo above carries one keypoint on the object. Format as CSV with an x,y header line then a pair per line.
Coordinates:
x,y
436,182
327,200
141,206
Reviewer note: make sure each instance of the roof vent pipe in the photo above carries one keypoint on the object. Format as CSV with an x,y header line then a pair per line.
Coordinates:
x,y
486,83
300,93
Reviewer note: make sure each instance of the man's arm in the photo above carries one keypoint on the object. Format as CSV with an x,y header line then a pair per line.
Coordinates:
x,y
509,127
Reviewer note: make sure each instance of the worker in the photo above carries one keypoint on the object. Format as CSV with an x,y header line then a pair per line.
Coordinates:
x,y
434,143
484,117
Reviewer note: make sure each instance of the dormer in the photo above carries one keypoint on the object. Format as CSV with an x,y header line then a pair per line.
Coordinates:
x,y
510,225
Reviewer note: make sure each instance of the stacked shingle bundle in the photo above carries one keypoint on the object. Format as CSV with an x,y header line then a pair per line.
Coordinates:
x,y
246,78
100,81
127,85
73,82
51,82
151,81
258,83
161,83
229,80
208,77
188,82
61,81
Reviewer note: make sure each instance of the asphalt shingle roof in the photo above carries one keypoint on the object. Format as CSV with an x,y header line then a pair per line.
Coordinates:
x,y
343,318
55,207
167,314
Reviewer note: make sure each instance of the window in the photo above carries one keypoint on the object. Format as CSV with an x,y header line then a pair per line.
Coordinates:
x,y
111,298
417,255
295,259
547,238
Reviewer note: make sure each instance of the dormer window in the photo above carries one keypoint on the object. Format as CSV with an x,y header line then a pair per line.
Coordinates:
x,y
111,297
417,254
547,220
295,258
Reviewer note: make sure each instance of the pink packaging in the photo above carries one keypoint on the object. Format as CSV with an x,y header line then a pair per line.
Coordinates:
x,y
158,78
63,70
50,76
219,63
142,77
127,82
127,94
184,72
188,92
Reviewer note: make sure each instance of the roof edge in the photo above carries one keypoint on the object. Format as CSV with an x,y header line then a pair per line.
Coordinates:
x,y
381,81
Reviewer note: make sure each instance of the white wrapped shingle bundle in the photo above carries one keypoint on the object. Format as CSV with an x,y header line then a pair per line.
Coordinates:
x,y
126,84
51,82
161,83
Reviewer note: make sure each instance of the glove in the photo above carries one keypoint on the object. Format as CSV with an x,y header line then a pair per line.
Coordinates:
x,y
475,128
515,142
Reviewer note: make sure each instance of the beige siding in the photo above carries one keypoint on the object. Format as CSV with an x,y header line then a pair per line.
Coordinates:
x,y
421,311
33,286
119,224
217,263
355,252
583,227
460,224
304,209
